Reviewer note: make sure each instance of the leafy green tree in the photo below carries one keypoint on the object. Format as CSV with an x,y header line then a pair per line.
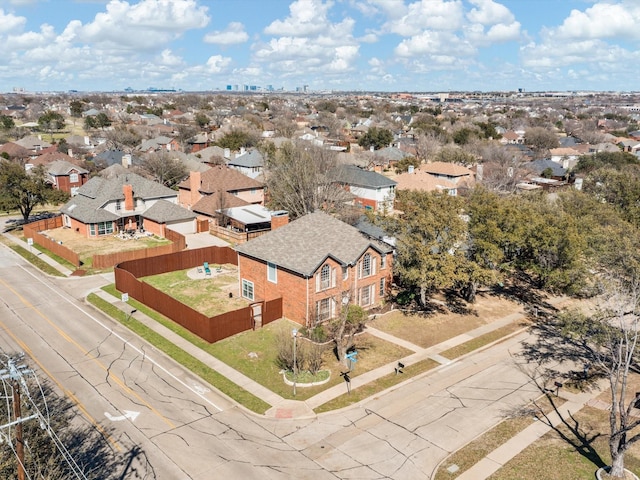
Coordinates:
x,y
201,120
377,138
6,122
464,135
615,160
102,120
343,329
237,139
51,121
76,108
23,191
404,164
620,188
430,236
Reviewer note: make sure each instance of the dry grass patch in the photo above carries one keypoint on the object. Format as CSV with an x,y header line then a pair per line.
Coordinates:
x,y
87,247
428,329
207,294
477,449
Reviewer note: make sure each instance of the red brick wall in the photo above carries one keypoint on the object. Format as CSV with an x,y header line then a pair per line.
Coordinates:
x,y
128,197
299,295
153,227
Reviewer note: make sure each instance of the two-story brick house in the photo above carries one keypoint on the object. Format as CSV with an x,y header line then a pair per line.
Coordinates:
x,y
317,264
371,190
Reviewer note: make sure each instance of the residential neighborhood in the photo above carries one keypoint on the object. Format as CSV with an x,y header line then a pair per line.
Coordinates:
x,y
366,224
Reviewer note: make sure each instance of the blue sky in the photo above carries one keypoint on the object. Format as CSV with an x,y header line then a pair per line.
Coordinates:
x,y
371,45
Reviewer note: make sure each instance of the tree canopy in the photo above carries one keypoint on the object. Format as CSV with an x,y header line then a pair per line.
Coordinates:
x,y
376,137
23,191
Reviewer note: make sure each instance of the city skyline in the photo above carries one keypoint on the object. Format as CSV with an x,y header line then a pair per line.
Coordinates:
x,y
340,45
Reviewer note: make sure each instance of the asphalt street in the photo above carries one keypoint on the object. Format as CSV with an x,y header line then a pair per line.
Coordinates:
x,y
167,424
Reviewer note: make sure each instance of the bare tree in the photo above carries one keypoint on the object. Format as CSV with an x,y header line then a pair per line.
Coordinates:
x,y
164,168
345,327
602,344
122,138
500,169
428,144
297,177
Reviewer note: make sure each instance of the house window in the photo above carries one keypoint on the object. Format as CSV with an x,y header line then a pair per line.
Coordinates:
x,y
367,266
324,279
383,261
253,191
103,228
247,289
345,272
366,298
324,309
272,272
118,205
73,177
381,290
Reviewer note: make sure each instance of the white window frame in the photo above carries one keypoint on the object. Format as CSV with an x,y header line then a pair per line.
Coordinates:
x,y
365,292
73,178
325,278
248,291
324,309
383,261
272,272
381,287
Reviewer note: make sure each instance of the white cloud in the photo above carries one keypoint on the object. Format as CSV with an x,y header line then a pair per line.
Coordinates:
x,y
488,12
307,17
149,24
168,59
585,37
427,15
602,20
307,41
10,22
218,64
233,34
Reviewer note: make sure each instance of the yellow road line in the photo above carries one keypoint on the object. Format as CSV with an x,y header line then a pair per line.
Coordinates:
x,y
66,392
85,353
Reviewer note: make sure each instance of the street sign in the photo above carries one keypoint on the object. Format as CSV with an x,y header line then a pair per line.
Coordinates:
x,y
125,297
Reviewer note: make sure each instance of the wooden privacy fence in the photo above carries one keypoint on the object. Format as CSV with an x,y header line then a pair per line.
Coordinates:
x,y
210,329
32,230
178,243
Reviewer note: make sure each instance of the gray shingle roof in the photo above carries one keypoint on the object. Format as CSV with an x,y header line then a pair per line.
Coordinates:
x,y
87,205
248,160
304,244
62,167
352,175
163,211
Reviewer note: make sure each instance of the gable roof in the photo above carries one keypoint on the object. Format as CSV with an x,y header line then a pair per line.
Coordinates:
x,y
221,177
249,159
62,167
210,204
304,244
87,205
423,181
163,211
352,175
445,168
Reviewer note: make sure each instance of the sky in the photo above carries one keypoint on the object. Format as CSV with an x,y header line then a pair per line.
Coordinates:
x,y
326,45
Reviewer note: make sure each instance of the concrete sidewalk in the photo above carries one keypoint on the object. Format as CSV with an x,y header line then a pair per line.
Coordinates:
x,y
286,408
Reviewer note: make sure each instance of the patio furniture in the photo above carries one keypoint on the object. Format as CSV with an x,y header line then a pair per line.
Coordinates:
x,y
207,270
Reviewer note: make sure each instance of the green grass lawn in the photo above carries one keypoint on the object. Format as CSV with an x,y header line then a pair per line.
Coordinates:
x,y
208,295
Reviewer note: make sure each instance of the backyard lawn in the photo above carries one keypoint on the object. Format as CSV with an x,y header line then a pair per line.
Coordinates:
x,y
208,294
87,247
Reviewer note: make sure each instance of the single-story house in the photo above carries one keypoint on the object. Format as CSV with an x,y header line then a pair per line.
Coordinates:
x,y
317,264
104,206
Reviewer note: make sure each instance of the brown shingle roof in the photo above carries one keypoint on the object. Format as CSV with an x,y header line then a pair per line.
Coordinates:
x,y
445,168
221,177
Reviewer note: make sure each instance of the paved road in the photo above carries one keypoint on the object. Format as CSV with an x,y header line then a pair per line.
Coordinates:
x,y
185,429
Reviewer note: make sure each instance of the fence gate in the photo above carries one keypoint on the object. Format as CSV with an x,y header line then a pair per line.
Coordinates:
x,y
256,315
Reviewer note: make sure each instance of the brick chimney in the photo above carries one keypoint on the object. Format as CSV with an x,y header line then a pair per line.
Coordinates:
x,y
195,181
127,190
279,219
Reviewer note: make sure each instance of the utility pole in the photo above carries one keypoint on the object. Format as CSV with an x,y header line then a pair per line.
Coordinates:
x,y
17,413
